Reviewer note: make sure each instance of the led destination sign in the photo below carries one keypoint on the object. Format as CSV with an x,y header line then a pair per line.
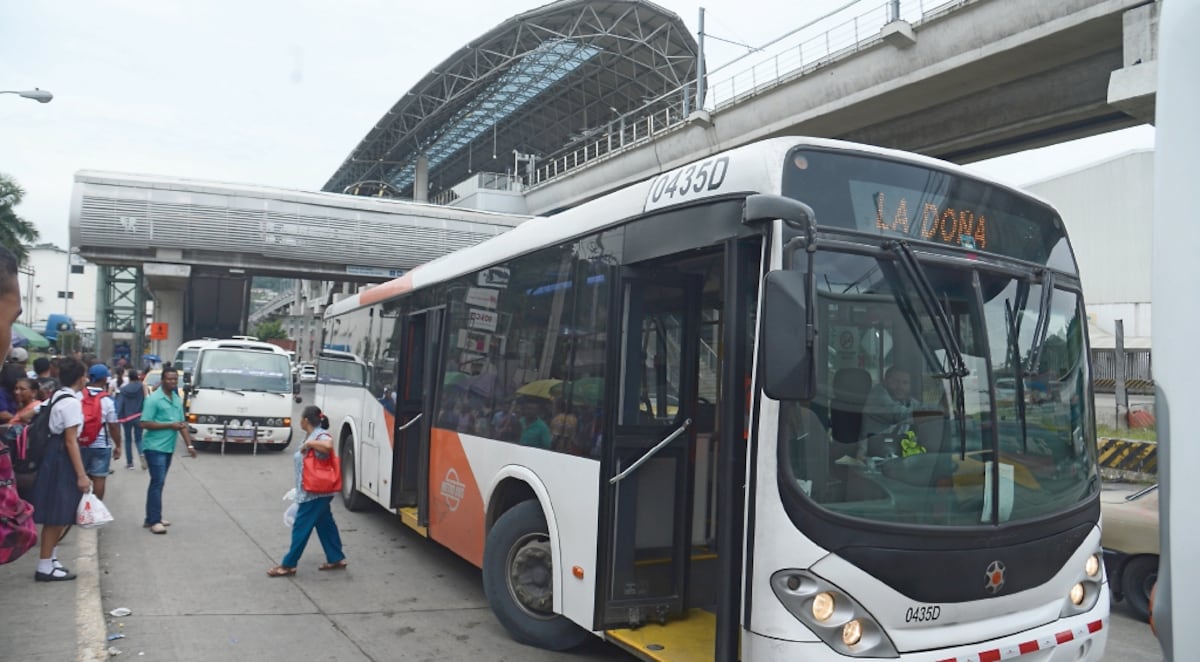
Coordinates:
x,y
895,214
880,196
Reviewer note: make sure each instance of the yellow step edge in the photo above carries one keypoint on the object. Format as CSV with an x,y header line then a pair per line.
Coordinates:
x,y
409,517
691,639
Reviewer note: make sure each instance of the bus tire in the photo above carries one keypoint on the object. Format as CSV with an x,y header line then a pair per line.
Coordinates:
x,y
352,499
1137,580
518,579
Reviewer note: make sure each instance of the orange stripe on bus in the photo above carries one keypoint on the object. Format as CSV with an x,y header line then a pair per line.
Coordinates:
x,y
387,290
455,504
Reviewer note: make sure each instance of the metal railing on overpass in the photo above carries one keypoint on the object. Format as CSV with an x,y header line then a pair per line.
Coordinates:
x,y
837,35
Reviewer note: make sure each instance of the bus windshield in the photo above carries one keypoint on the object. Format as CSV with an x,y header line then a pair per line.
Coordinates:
x,y
243,370
897,433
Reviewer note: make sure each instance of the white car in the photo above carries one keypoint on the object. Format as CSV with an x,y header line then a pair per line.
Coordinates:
x,y
308,372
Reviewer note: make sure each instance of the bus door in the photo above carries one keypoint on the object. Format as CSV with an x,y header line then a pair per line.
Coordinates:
x,y
415,392
647,468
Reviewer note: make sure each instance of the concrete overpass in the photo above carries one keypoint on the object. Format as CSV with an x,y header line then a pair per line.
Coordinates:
x,y
975,79
195,244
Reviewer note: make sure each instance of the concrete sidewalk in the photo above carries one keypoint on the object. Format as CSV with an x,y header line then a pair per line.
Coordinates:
x,y
54,621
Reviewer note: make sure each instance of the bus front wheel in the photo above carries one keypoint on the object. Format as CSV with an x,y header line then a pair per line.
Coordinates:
x,y
352,499
518,579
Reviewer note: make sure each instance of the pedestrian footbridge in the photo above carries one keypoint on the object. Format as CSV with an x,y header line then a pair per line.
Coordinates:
x,y
124,219
196,244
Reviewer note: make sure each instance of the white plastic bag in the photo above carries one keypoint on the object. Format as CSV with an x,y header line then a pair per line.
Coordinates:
x,y
289,515
92,512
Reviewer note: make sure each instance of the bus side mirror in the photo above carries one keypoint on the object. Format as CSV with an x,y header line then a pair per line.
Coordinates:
x,y
787,364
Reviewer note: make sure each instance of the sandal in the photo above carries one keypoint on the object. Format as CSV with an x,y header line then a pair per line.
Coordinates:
x,y
340,565
281,571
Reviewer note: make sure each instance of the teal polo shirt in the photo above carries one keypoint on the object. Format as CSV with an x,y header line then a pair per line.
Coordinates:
x,y
158,408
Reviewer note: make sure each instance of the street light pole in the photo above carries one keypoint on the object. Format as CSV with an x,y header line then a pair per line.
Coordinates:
x,y
40,96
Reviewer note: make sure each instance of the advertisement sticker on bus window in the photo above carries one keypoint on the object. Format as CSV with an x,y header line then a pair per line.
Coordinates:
x,y
690,182
482,297
478,318
494,277
473,341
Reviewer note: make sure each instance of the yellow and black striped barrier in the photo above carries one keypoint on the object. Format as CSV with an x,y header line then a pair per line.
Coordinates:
x,y
1128,455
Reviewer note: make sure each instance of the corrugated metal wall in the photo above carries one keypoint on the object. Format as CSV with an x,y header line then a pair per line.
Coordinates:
x,y
1108,209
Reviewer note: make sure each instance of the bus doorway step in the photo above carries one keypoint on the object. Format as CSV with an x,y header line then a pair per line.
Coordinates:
x,y
685,640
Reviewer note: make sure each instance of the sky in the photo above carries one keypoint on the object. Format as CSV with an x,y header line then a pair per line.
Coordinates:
x,y
278,93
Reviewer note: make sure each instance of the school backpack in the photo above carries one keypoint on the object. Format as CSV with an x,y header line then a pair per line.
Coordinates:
x,y
93,416
31,441
18,533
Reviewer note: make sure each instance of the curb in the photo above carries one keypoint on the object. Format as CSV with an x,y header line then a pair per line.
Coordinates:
x,y
90,631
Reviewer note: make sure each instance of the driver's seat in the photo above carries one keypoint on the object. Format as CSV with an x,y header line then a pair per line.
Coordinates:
x,y
851,386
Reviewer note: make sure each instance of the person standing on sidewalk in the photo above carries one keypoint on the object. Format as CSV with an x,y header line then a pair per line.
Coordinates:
x,y
106,447
130,398
162,419
313,509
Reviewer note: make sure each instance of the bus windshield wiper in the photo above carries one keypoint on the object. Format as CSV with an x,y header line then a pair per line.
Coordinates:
x,y
941,322
1042,327
263,390
1014,334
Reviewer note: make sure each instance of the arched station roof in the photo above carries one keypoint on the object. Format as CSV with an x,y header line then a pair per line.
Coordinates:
x,y
536,83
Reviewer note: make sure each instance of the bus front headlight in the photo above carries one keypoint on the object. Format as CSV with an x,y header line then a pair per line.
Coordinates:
x,y
1084,593
831,614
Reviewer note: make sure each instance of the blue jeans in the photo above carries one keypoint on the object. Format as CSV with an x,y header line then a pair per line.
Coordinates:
x,y
133,436
158,463
309,515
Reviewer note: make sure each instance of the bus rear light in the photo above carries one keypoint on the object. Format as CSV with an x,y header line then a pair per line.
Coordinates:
x,y
831,614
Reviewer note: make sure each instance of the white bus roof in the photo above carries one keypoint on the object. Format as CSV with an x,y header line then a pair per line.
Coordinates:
x,y
753,168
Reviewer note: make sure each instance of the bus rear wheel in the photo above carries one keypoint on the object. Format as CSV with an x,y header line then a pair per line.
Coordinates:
x,y
518,579
352,499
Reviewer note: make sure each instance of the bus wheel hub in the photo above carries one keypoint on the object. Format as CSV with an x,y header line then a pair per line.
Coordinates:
x,y
530,576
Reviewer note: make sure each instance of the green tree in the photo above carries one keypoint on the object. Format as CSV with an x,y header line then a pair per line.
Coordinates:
x,y
270,330
15,232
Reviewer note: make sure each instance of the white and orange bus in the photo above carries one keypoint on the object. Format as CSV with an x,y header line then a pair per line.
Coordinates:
x,y
748,409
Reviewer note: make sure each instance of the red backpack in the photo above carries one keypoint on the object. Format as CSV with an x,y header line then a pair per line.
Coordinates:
x,y
93,416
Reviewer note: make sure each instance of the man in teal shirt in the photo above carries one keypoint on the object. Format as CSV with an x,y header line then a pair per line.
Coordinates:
x,y
162,419
534,431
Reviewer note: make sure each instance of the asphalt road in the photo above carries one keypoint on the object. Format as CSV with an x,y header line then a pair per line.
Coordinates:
x,y
201,592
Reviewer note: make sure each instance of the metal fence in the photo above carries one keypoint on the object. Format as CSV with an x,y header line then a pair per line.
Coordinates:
x,y
1139,376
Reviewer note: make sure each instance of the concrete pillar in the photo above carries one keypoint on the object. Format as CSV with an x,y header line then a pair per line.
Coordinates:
x,y
1132,88
168,286
421,180
168,307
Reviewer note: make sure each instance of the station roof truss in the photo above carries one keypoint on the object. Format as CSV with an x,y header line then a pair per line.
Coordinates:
x,y
539,81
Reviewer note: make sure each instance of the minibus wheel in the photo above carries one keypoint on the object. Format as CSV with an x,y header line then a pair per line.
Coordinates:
x,y
518,579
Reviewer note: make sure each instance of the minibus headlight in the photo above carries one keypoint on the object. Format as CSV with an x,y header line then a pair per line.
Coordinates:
x,y
1092,566
1076,594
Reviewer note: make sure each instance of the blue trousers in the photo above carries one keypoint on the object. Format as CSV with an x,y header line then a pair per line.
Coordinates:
x,y
311,515
158,463
133,437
